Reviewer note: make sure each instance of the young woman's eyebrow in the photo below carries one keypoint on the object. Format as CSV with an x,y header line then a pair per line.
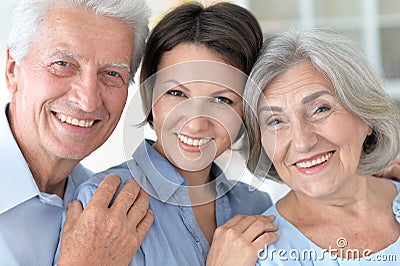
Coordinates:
x,y
177,83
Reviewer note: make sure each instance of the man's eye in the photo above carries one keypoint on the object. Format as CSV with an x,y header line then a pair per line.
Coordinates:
x,y
62,63
112,74
223,100
62,68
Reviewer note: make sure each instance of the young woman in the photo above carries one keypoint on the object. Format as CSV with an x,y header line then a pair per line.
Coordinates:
x,y
193,74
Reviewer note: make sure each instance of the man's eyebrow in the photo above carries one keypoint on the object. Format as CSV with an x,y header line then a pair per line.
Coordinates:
x,y
66,53
118,65
77,56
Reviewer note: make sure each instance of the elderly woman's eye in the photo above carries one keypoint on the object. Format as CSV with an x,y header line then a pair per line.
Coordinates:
x,y
324,108
273,122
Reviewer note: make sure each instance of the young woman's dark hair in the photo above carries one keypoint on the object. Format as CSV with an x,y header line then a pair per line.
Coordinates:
x,y
230,31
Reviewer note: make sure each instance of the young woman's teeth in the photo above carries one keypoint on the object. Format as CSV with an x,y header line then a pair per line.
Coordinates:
x,y
193,142
75,122
308,164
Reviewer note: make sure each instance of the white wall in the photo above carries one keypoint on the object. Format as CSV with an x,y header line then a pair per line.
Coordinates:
x,y
5,9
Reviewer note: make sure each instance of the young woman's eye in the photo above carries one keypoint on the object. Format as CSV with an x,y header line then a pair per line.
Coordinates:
x,y
223,100
176,93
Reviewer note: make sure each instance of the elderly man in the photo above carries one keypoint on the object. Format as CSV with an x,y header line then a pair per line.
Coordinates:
x,y
69,65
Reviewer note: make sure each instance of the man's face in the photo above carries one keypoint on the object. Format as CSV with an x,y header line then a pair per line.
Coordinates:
x,y
71,88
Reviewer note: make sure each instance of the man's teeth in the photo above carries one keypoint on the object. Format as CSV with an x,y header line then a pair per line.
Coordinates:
x,y
193,142
308,164
74,121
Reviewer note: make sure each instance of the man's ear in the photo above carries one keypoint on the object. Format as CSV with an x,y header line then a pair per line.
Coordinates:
x,y
11,67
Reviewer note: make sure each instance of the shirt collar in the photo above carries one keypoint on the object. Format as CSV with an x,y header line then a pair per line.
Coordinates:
x,y
16,181
17,184
161,179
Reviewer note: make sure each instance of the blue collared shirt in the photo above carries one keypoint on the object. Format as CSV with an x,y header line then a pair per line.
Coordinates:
x,y
175,237
294,249
30,220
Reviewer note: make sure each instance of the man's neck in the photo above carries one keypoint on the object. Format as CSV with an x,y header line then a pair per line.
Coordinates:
x,y
50,172
51,176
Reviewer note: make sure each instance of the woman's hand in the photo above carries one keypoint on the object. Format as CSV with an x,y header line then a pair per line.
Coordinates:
x,y
392,172
239,240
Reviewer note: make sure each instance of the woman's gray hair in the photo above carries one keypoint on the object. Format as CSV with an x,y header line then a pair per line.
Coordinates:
x,y
28,14
357,85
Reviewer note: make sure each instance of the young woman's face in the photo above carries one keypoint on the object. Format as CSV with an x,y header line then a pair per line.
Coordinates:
x,y
197,106
314,142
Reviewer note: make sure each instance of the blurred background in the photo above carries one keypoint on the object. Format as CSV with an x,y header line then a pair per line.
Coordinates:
x,y
373,24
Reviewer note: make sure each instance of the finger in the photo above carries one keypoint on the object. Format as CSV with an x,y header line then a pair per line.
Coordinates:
x,y
74,210
395,172
265,239
105,192
248,221
258,227
240,217
379,174
144,225
139,208
126,197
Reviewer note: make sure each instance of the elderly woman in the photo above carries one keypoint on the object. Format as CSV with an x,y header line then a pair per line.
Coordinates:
x,y
326,124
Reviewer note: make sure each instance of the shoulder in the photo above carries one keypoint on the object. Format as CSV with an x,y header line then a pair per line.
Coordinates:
x,y
396,202
397,184
126,170
87,188
244,189
248,200
290,247
80,174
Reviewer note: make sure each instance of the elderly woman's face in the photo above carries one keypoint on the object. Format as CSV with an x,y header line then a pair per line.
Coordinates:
x,y
314,142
